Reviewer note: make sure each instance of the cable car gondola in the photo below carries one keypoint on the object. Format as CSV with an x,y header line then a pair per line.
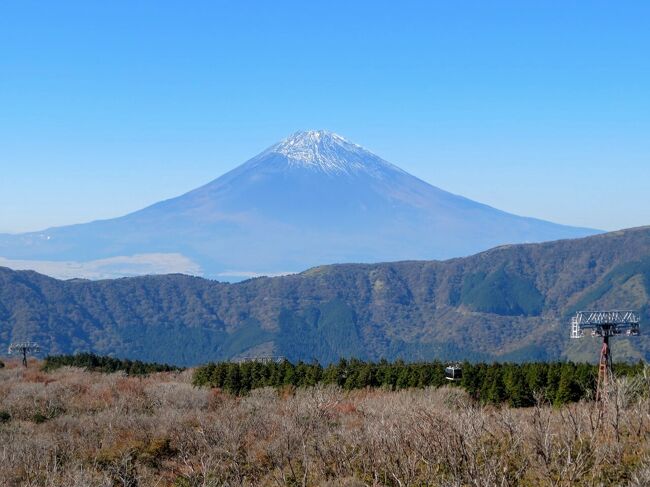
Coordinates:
x,y
453,372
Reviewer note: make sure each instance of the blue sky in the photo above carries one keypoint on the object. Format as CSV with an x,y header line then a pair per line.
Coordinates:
x,y
538,108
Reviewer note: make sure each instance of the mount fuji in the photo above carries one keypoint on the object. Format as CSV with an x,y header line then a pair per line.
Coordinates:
x,y
314,198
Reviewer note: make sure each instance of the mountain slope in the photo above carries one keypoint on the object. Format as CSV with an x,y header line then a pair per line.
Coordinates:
x,y
311,199
509,303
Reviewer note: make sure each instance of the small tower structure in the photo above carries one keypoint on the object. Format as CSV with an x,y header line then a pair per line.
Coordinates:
x,y
24,349
605,324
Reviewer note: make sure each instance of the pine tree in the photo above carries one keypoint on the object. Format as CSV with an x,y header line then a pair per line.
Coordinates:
x,y
567,390
497,390
517,388
232,382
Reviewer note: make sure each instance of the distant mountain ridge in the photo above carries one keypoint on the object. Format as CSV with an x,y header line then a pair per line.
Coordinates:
x,y
509,303
314,198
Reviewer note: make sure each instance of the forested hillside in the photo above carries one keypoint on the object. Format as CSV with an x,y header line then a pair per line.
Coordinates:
x,y
509,303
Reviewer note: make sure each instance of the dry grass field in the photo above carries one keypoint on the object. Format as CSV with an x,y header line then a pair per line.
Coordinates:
x,y
76,428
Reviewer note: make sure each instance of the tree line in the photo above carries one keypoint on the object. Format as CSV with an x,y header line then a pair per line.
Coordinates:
x,y
98,363
518,384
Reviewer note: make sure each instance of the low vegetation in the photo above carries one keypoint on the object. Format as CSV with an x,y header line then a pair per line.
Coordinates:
x,y
71,426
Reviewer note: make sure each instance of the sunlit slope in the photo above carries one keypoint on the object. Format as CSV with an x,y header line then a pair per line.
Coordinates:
x,y
312,199
509,303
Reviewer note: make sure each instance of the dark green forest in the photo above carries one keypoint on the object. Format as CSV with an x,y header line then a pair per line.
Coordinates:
x,y
519,385
509,304
98,363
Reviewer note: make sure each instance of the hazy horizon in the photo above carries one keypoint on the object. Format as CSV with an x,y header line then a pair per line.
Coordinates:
x,y
540,111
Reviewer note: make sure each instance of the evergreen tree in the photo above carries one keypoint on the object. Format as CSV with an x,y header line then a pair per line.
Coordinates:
x,y
496,392
517,390
494,383
567,390
232,382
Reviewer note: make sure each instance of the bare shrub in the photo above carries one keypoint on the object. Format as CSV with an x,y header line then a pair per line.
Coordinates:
x,y
108,430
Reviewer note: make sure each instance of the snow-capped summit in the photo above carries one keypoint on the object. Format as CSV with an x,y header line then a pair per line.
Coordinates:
x,y
325,151
313,198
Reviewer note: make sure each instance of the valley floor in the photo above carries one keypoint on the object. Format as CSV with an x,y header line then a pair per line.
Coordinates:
x,y
76,428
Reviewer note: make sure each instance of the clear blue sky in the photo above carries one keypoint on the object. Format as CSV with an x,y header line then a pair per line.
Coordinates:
x,y
539,108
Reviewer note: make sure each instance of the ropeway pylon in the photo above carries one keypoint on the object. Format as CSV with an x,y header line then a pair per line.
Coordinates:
x,y
605,324
604,371
24,349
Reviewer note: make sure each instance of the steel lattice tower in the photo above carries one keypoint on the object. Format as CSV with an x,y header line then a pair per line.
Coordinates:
x,y
605,324
24,348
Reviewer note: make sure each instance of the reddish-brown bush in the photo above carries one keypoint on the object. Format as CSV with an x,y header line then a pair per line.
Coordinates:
x,y
109,430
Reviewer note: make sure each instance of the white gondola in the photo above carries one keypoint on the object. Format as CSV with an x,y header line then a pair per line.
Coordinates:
x,y
453,372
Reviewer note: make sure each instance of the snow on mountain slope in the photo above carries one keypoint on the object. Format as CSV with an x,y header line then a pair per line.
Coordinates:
x,y
327,152
314,198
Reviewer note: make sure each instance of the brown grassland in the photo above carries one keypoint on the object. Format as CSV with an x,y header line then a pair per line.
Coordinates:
x,y
76,428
